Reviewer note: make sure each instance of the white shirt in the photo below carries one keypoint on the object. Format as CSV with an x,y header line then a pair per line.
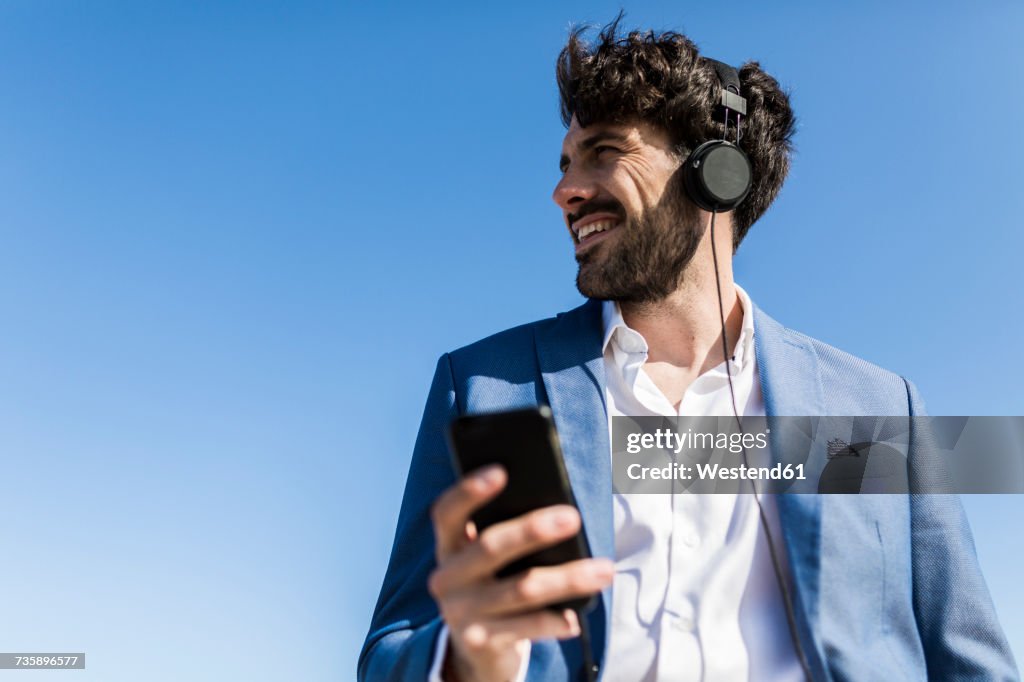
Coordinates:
x,y
695,596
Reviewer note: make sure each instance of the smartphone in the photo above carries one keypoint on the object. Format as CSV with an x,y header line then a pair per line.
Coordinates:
x,y
525,443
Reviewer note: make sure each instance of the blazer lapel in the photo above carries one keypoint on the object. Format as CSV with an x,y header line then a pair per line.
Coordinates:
x,y
572,367
791,385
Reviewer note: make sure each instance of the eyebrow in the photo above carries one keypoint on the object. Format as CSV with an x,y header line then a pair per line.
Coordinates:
x,y
591,142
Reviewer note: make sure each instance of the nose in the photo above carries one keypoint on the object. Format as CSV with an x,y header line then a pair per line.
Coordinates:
x,y
573,189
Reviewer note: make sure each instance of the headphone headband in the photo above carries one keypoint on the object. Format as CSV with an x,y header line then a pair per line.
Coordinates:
x,y
729,77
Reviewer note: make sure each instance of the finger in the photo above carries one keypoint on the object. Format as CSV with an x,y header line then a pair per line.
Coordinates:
x,y
507,541
452,509
499,633
530,590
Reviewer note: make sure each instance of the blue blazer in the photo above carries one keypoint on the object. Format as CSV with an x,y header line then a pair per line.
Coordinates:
x,y
886,587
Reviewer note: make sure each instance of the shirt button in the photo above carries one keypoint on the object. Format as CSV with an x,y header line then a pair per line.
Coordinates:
x,y
691,539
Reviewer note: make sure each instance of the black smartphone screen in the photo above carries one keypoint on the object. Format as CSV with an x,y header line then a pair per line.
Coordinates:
x,y
525,443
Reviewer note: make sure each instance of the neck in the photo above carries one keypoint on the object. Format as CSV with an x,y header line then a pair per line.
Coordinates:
x,y
684,329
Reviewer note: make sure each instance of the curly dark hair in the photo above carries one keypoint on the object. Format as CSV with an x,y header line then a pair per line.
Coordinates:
x,y
661,79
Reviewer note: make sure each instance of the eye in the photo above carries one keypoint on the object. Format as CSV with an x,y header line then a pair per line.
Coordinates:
x,y
606,152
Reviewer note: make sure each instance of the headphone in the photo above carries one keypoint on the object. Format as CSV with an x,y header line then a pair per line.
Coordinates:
x,y
717,174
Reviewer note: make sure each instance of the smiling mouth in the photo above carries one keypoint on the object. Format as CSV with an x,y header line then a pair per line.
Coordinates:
x,y
592,231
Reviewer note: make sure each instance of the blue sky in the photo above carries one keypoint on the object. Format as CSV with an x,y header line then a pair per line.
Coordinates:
x,y
236,236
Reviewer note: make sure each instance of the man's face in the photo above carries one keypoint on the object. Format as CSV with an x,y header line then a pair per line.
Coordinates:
x,y
622,198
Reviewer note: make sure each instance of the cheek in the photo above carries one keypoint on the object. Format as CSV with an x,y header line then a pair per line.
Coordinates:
x,y
647,186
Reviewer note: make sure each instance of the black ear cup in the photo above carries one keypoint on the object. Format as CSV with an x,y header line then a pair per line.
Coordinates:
x,y
717,175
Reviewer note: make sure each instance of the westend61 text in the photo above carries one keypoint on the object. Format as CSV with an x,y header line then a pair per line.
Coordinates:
x,y
716,472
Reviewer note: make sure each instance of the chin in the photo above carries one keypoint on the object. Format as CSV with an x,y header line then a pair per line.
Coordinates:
x,y
591,286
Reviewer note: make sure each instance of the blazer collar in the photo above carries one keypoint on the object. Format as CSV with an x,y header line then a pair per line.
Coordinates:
x,y
788,368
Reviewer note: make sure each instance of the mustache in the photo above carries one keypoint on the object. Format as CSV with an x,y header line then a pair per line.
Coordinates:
x,y
598,206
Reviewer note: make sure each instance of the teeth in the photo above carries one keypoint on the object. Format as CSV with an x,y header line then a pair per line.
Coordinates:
x,y
599,226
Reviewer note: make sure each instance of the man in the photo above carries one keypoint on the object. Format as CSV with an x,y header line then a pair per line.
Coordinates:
x,y
691,586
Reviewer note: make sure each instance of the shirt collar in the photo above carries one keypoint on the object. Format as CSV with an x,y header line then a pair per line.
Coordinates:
x,y
632,341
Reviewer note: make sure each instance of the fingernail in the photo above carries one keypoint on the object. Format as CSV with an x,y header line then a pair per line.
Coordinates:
x,y
489,475
572,621
563,518
602,569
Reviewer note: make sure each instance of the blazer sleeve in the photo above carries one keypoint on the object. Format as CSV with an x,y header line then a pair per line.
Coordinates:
x,y
957,622
405,623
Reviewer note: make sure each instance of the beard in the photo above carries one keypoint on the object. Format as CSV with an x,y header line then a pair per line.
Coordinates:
x,y
649,258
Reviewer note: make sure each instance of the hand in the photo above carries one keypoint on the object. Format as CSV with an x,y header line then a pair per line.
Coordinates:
x,y
491,620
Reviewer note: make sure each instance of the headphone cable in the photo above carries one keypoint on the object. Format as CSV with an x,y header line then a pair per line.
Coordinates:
x,y
783,587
